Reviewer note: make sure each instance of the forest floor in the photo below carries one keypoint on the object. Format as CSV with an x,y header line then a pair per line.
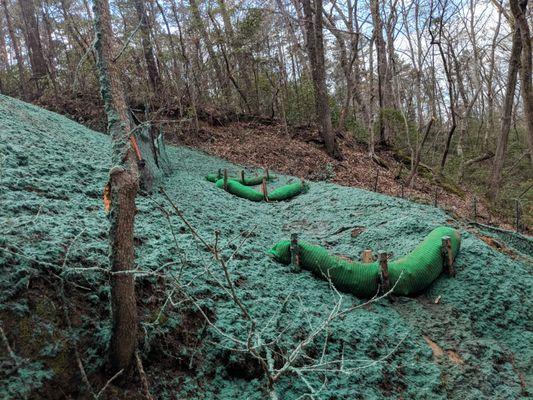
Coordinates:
x,y
466,337
301,153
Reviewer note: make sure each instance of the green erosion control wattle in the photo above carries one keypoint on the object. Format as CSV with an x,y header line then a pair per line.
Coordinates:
x,y
248,181
418,268
246,192
238,189
287,191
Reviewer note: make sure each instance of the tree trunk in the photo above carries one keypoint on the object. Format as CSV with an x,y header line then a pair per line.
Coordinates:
x,y
176,67
384,82
499,158
4,59
490,83
236,55
200,26
415,161
149,58
315,50
519,10
346,66
16,49
123,184
31,29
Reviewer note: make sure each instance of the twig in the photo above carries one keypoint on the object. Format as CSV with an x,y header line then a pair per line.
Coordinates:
x,y
108,383
127,42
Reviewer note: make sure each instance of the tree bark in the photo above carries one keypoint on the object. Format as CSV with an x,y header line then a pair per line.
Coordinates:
x,y
499,158
148,51
315,50
4,59
384,82
416,159
519,10
123,184
31,29
16,48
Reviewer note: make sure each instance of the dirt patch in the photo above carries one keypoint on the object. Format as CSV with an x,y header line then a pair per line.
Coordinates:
x,y
301,153
495,244
454,357
438,352
435,348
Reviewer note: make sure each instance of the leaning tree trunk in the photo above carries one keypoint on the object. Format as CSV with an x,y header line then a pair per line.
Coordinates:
x,y
123,186
499,158
315,50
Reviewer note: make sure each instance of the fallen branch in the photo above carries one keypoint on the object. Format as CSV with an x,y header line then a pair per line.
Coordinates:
x,y
482,157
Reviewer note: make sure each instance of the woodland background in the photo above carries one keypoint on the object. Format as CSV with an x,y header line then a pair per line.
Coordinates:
x,y
443,83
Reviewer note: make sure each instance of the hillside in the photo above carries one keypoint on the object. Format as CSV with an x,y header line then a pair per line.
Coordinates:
x,y
301,153
467,337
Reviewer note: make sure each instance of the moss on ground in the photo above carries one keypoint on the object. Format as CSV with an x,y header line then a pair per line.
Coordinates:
x,y
51,179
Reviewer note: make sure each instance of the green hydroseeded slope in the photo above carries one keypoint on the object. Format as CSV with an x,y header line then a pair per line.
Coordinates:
x,y
52,172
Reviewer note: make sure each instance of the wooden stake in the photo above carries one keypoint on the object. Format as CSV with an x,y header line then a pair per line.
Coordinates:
x,y
264,188
376,181
225,179
295,252
403,187
367,256
242,176
267,174
447,256
384,272
219,173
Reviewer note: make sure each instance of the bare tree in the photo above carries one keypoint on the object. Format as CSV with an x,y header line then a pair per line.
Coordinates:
x,y
33,40
315,51
384,75
499,158
149,57
436,31
202,29
519,10
16,48
123,186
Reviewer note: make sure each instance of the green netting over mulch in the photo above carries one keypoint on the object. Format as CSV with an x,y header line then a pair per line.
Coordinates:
x,y
415,271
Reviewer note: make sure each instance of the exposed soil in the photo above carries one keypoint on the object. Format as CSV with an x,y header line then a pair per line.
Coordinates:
x,y
301,153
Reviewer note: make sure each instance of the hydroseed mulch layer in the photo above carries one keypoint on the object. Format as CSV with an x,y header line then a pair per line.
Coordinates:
x,y
467,337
